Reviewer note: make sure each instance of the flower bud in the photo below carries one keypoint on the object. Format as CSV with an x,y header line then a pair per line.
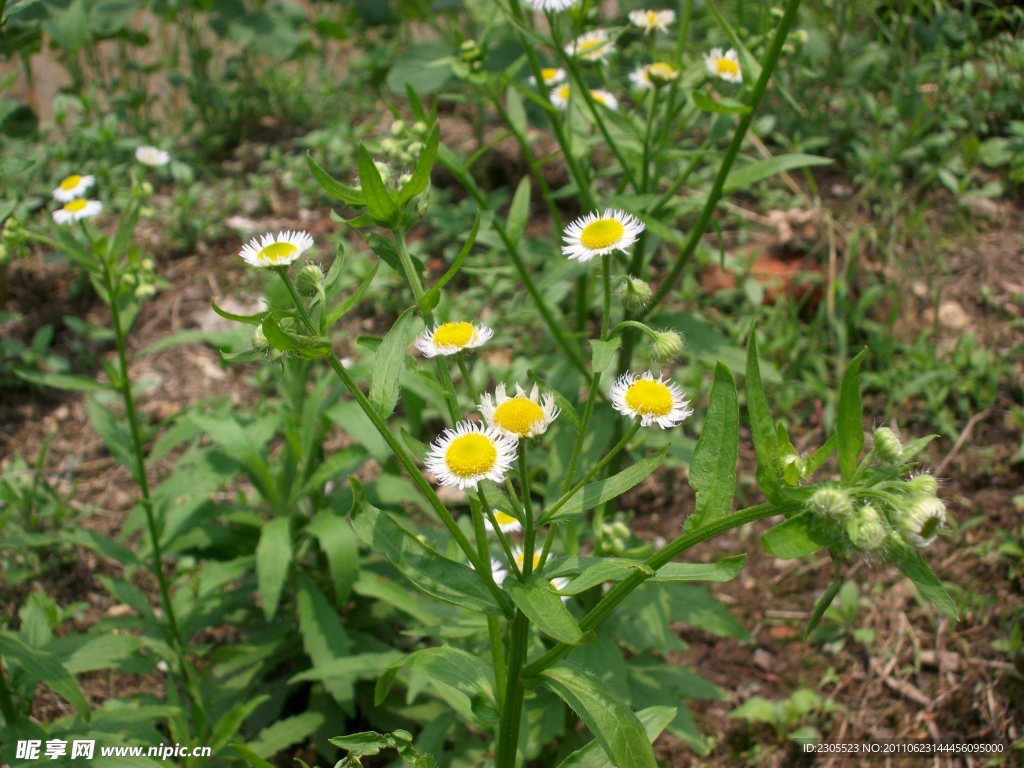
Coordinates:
x,y
259,340
620,529
921,520
404,179
922,485
666,345
662,73
309,280
634,293
420,128
887,446
397,128
148,265
865,528
129,280
416,148
390,147
145,291
383,169
832,503
793,468
147,189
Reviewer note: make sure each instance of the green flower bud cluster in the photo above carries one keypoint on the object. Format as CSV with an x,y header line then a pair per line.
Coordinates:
x,y
143,280
633,293
405,144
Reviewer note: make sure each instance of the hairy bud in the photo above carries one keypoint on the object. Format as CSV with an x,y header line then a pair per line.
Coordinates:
x,y
309,280
666,345
865,528
831,503
887,446
634,293
921,520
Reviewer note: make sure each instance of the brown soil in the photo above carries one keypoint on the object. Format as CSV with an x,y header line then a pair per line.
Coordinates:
x,y
920,676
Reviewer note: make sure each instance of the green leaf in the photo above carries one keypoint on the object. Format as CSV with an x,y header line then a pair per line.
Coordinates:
x,y
592,494
249,319
593,571
63,381
125,229
346,306
323,636
232,720
434,294
849,420
114,433
379,204
747,175
44,667
914,567
421,175
721,106
102,652
603,353
726,569
334,188
515,110
461,679
799,536
250,757
916,446
339,544
616,728
821,605
427,570
424,67
766,444
713,466
519,211
389,364
361,666
653,719
545,610
273,559
820,456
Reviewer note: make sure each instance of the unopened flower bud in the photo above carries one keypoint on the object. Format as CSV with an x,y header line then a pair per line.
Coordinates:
x,y
887,446
404,179
420,128
923,485
921,520
666,345
793,467
148,265
800,37
147,189
416,148
398,128
865,528
634,293
620,529
129,280
390,147
309,280
259,340
832,503
145,291
383,169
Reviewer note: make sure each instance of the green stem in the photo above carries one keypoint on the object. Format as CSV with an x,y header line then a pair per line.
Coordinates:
x,y
528,531
715,194
621,590
464,369
6,702
401,454
512,709
646,172
493,625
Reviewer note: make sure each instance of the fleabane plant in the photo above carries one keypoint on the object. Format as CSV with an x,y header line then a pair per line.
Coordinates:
x,y
530,475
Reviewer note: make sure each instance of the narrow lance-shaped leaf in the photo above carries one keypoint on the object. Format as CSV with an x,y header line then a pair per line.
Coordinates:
x,y
914,567
713,466
543,608
421,174
613,724
334,188
519,211
379,205
273,559
766,444
388,366
849,421
799,536
44,667
432,296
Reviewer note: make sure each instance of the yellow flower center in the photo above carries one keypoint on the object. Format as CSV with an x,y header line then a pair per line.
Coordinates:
x,y
652,18
649,398
471,455
503,519
602,233
548,74
661,71
70,182
521,558
589,46
562,92
518,415
453,334
600,99
726,66
277,251
75,205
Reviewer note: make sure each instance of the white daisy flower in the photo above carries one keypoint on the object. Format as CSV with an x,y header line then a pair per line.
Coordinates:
x,y
597,234
470,453
724,65
654,75
73,186
649,21
550,75
280,251
922,520
506,523
521,416
452,338
550,5
76,210
655,401
152,156
560,96
604,98
594,45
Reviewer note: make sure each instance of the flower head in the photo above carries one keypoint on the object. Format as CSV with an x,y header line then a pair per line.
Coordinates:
x,y
649,21
550,5
452,338
724,65
865,528
594,45
832,503
598,234
76,210
654,75
73,186
550,76
506,523
922,519
655,401
888,445
152,156
521,416
470,453
604,98
560,96
280,251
